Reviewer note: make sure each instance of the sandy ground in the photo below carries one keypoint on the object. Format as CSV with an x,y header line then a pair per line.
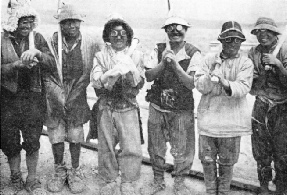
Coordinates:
x,y
89,165
245,169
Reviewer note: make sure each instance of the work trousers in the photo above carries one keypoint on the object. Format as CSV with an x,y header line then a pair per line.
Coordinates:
x,y
119,126
269,140
176,128
23,113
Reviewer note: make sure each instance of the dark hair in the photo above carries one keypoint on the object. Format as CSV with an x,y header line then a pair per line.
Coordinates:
x,y
117,22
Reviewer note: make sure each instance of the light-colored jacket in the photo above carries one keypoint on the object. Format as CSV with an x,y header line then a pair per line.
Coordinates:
x,y
221,115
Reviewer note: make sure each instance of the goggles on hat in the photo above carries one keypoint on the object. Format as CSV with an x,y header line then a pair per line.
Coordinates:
x,y
232,39
177,27
115,33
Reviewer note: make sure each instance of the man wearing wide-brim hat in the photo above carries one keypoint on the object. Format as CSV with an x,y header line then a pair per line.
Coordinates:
x,y
224,80
269,126
25,58
67,103
171,66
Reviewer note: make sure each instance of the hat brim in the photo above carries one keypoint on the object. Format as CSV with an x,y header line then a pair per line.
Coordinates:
x,y
231,33
265,26
61,18
186,25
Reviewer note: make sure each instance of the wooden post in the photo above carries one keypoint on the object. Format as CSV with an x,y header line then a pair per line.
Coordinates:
x,y
59,65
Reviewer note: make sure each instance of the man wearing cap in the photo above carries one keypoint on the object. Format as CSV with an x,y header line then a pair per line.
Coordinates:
x,y
118,76
25,60
224,80
172,66
67,103
269,118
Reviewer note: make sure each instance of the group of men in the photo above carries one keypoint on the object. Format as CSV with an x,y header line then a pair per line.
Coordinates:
x,y
46,80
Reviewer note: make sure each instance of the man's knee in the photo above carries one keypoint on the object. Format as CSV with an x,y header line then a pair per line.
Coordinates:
x,y
11,151
31,147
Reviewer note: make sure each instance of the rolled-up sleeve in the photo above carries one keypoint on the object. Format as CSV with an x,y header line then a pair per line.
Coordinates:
x,y
194,64
242,85
152,59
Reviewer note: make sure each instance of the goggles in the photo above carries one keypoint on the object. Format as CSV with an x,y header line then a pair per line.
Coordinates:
x,y
177,27
232,39
115,33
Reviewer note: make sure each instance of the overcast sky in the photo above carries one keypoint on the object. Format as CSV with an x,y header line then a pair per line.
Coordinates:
x,y
245,11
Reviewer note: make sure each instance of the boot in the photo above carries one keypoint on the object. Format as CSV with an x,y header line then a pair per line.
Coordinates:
x,y
127,188
153,188
210,177
109,188
76,180
16,175
224,180
57,183
179,187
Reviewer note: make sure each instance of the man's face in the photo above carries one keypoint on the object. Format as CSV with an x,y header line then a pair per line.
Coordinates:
x,y
25,26
175,32
265,37
231,46
118,38
71,27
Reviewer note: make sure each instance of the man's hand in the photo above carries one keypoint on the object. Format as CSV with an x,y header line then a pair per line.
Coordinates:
x,y
170,59
18,64
30,56
221,80
270,59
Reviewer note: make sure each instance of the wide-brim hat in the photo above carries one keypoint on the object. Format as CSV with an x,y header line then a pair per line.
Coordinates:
x,y
19,9
68,11
231,29
176,20
116,19
265,23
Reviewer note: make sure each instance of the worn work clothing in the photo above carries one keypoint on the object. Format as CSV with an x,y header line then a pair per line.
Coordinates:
x,y
119,128
167,91
22,95
176,128
66,87
23,79
189,61
269,117
220,114
227,150
66,132
118,120
23,113
269,141
271,85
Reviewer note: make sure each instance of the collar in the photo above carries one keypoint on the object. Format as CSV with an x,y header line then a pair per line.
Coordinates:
x,y
261,49
78,39
224,57
181,54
